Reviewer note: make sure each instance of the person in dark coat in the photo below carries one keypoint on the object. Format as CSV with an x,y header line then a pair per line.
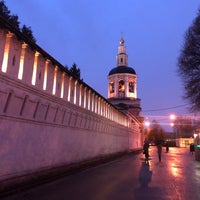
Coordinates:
x,y
159,147
192,148
146,151
167,147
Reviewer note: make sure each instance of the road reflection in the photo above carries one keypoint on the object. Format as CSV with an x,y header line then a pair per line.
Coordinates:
x,y
176,165
174,170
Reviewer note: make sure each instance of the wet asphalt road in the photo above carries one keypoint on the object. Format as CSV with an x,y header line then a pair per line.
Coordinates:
x,y
177,177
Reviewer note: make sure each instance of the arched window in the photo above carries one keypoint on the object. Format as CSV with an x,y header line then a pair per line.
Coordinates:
x,y
112,87
121,86
131,86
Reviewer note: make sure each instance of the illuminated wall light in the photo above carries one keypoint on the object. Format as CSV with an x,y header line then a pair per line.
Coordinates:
x,y
35,68
5,62
54,80
84,104
96,107
69,89
101,102
94,99
106,111
89,100
45,75
92,102
21,62
6,52
80,95
102,107
99,106
62,86
95,104
75,88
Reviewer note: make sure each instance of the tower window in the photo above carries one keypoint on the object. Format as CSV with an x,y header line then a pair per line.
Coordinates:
x,y
121,59
131,87
112,88
121,86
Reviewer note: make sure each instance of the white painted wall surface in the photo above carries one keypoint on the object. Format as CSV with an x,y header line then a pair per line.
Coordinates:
x,y
41,130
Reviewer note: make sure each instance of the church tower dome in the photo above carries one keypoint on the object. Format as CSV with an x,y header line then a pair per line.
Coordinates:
x,y
122,83
122,78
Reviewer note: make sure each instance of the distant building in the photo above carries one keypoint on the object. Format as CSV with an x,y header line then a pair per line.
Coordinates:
x,y
184,142
122,85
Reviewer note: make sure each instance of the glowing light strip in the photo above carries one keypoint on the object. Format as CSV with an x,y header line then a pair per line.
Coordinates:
x,y
35,68
45,74
21,63
62,86
75,88
69,89
54,80
80,95
6,52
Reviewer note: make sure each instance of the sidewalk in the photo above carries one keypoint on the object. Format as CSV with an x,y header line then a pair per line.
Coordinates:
x,y
176,177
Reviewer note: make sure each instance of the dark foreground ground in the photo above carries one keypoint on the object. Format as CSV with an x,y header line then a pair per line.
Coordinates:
x,y
177,177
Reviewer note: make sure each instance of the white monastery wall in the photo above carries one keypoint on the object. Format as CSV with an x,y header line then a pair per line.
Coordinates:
x,y
48,118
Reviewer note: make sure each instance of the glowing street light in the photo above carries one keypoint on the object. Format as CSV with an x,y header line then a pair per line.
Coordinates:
x,y
172,124
172,117
147,123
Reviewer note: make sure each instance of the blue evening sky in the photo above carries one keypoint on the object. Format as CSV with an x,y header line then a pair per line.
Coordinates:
x,y
87,32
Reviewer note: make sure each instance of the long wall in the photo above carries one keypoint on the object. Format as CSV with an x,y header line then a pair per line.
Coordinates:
x,y
48,118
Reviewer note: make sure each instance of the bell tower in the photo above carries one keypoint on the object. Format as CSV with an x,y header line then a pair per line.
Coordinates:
x,y
122,83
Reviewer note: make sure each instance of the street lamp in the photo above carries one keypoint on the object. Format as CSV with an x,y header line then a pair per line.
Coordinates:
x,y
172,117
172,124
147,123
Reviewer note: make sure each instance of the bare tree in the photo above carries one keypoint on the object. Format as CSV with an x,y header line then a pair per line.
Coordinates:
x,y
189,64
155,134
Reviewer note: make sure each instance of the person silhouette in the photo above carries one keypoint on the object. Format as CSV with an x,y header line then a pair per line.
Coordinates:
x,y
146,151
159,148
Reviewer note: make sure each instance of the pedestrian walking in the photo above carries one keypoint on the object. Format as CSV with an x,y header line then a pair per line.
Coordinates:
x,y
192,148
146,151
159,148
167,147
